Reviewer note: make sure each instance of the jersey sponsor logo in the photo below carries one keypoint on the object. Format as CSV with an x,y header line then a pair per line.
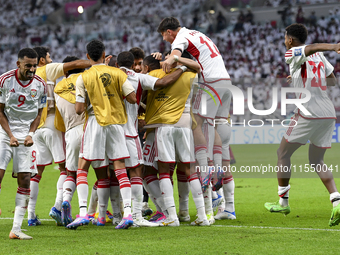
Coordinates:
x,y
106,79
33,93
297,52
43,99
12,90
161,96
109,95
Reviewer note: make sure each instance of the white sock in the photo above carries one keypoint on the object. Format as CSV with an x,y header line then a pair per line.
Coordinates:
x,y
125,190
228,189
220,192
152,183
284,195
93,199
103,191
60,183
83,191
217,156
201,155
167,194
21,203
335,198
115,195
183,191
34,185
137,196
196,191
68,188
207,200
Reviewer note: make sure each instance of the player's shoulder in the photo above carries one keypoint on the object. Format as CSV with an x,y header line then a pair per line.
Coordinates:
x,y
40,80
158,73
7,76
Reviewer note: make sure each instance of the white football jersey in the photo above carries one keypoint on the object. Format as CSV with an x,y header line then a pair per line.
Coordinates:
x,y
22,101
310,73
139,82
204,51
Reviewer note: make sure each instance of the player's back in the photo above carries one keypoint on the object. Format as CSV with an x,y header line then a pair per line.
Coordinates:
x,y
204,51
310,72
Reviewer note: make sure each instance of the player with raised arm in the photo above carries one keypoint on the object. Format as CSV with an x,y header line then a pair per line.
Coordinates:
x,y
213,77
105,87
48,138
22,98
310,70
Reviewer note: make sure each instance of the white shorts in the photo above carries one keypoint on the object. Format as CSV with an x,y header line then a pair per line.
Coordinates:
x,y
135,150
149,151
50,146
207,107
318,131
73,141
99,142
24,158
174,144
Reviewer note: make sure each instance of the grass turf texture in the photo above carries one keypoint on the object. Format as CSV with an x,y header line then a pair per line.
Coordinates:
x,y
255,231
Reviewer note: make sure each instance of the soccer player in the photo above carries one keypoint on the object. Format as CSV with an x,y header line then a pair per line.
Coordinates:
x,y
65,96
168,110
213,77
105,87
48,140
309,70
138,55
134,164
22,98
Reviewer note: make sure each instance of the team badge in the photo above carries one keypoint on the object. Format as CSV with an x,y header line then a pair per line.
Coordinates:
x,y
297,52
43,100
33,92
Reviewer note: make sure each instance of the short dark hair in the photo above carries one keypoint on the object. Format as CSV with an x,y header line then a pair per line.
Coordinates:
x,y
113,61
298,31
27,52
42,51
70,59
125,59
152,62
138,53
168,23
95,49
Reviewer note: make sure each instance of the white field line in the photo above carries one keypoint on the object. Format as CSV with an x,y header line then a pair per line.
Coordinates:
x,y
234,226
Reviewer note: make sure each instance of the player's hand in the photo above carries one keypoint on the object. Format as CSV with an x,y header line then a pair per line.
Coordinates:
x,y
289,79
28,141
337,48
13,142
157,55
167,64
107,59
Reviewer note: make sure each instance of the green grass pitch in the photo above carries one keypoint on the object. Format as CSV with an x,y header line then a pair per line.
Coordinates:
x,y
255,231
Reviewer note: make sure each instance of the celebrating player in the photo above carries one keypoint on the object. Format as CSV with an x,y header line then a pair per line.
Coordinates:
x,y
22,98
309,70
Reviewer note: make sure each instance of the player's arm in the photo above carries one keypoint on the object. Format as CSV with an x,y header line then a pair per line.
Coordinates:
x,y
77,64
129,92
80,96
4,123
331,80
313,48
188,63
167,64
169,79
34,125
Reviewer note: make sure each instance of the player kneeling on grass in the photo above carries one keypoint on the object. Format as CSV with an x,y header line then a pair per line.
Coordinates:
x,y
22,98
317,127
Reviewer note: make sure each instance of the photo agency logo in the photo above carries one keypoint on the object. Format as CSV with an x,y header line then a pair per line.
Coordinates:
x,y
238,102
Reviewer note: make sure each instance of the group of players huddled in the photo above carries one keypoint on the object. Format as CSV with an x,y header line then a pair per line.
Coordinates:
x,y
92,117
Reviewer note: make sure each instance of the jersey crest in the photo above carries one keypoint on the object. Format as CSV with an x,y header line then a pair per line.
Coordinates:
x,y
106,79
33,93
297,52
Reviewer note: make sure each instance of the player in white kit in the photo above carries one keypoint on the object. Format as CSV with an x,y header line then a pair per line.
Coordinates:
x,y
310,70
22,98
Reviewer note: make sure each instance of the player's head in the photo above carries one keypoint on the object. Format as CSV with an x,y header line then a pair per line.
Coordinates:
x,y
125,59
169,28
296,34
113,60
95,50
44,57
150,63
138,55
73,71
27,64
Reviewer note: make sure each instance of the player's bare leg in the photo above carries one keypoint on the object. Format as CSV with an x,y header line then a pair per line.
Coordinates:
x,y
183,194
284,154
69,186
2,173
21,202
103,191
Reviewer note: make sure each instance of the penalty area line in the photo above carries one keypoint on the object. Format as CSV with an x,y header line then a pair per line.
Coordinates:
x,y
280,228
